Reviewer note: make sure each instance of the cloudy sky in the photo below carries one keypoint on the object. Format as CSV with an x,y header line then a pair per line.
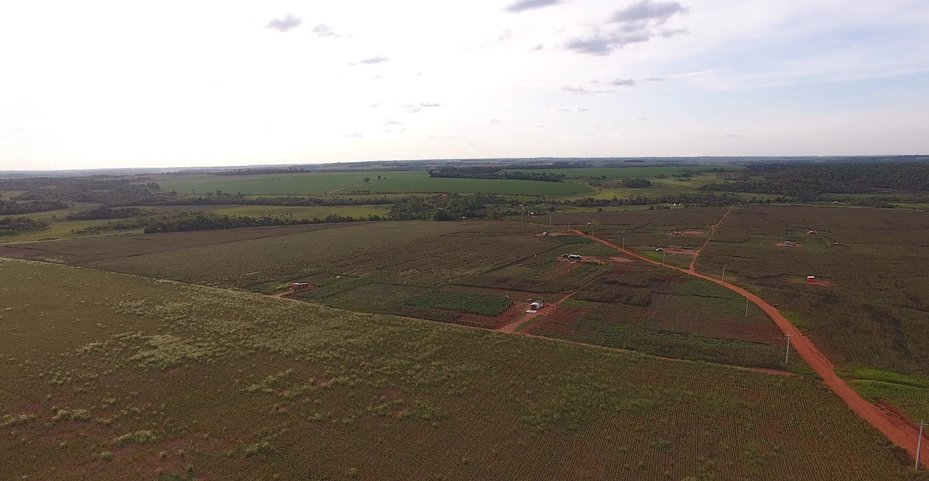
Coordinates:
x,y
197,82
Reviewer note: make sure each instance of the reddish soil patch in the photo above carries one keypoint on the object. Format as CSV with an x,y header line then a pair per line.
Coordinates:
x,y
560,324
590,259
621,260
547,309
784,244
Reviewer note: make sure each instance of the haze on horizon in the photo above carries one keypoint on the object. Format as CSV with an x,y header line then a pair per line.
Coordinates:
x,y
100,84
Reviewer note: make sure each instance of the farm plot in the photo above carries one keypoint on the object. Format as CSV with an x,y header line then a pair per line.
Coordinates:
x,y
279,184
641,308
546,272
869,305
645,230
287,390
374,182
410,253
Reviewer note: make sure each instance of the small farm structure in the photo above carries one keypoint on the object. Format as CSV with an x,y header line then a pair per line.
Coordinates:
x,y
572,257
299,286
811,279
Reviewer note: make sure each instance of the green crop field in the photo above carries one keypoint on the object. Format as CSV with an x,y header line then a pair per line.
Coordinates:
x,y
280,184
379,182
124,377
462,302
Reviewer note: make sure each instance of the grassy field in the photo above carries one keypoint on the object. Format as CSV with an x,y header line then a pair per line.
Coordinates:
x,y
868,309
645,230
870,304
104,368
390,182
446,271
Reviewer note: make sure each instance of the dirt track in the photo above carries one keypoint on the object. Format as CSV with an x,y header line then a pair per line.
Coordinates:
x,y
548,307
897,429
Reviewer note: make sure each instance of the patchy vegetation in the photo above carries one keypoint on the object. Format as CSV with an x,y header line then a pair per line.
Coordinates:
x,y
363,392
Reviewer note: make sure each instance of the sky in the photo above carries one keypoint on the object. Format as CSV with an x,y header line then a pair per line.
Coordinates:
x,y
97,84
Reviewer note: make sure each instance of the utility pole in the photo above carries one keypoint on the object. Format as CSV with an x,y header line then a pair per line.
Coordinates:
x,y
746,307
919,444
724,275
787,352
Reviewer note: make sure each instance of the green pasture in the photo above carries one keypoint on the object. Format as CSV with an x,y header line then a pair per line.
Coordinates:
x,y
390,182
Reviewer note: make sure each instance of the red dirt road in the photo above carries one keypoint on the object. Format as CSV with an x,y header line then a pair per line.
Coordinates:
x,y
897,429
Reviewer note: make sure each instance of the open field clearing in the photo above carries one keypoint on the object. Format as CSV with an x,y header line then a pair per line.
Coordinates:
x,y
276,184
643,308
65,229
104,370
868,306
415,253
380,182
476,273
645,230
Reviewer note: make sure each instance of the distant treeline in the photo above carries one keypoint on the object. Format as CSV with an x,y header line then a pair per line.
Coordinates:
x,y
494,172
12,207
450,207
46,193
193,221
807,182
188,221
13,225
221,198
105,212
688,198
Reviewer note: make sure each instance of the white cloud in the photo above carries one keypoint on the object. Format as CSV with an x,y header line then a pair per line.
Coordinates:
x,y
284,24
523,5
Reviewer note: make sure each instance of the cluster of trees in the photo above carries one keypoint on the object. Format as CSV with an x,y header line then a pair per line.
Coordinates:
x,y
99,190
105,212
219,198
807,182
704,199
12,207
447,207
494,172
637,183
12,225
188,221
